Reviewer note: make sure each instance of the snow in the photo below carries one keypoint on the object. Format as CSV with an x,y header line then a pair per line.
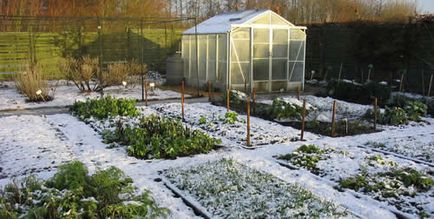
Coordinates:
x,y
66,95
262,132
38,144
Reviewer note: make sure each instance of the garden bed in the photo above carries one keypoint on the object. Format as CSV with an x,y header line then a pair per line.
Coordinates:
x,y
231,127
144,133
402,184
226,188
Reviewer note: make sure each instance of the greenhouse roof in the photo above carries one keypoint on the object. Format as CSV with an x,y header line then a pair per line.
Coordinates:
x,y
222,23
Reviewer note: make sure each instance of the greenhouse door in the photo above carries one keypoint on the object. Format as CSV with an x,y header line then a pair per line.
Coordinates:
x,y
270,59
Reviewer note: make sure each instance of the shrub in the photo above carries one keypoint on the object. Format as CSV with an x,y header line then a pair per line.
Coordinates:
x,y
122,71
106,194
104,108
81,71
158,137
33,85
359,93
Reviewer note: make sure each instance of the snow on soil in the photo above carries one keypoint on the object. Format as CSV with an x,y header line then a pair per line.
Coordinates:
x,y
262,132
84,144
320,108
66,95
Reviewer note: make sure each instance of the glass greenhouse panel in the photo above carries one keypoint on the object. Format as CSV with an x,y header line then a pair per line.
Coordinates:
x,y
239,72
240,51
265,19
280,36
277,20
202,57
261,35
296,71
211,57
221,76
297,34
186,54
193,65
296,50
261,69
279,69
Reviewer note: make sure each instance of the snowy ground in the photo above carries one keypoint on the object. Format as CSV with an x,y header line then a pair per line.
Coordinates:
x,y
66,95
38,144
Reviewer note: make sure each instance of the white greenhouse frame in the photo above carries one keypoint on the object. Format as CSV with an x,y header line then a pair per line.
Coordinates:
x,y
245,50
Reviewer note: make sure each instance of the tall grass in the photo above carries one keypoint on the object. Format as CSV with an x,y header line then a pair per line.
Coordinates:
x,y
33,85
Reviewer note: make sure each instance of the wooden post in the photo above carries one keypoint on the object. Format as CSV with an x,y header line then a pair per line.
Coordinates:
x,y
333,118
209,91
430,85
298,92
401,82
146,93
228,93
182,99
254,99
303,117
248,122
375,113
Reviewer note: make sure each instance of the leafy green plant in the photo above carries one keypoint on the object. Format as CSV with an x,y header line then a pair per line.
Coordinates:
x,y
307,156
72,193
104,108
202,120
231,117
393,116
355,183
415,109
158,137
284,110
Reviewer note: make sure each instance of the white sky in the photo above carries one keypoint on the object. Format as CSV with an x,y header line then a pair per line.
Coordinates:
x,y
426,6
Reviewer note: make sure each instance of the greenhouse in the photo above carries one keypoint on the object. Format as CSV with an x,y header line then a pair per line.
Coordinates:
x,y
245,50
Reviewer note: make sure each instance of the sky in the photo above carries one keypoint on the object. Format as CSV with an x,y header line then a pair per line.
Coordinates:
x,y
426,6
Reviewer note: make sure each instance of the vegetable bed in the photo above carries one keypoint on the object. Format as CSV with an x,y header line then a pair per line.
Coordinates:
x,y
230,126
229,189
400,183
145,134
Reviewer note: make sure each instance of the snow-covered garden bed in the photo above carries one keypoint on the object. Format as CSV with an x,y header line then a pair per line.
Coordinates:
x,y
229,189
403,184
231,127
66,94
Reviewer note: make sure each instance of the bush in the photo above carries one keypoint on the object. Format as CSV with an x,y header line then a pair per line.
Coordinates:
x,y
81,71
122,71
104,108
359,93
158,137
106,194
32,84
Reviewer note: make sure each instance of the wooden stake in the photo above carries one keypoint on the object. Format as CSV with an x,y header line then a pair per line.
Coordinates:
x,y
430,85
303,117
248,122
401,82
182,99
254,99
228,93
146,93
375,113
209,91
298,92
333,118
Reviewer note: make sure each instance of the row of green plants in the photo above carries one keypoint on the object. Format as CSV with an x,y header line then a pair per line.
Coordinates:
x,y
159,137
73,193
105,107
399,114
307,156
